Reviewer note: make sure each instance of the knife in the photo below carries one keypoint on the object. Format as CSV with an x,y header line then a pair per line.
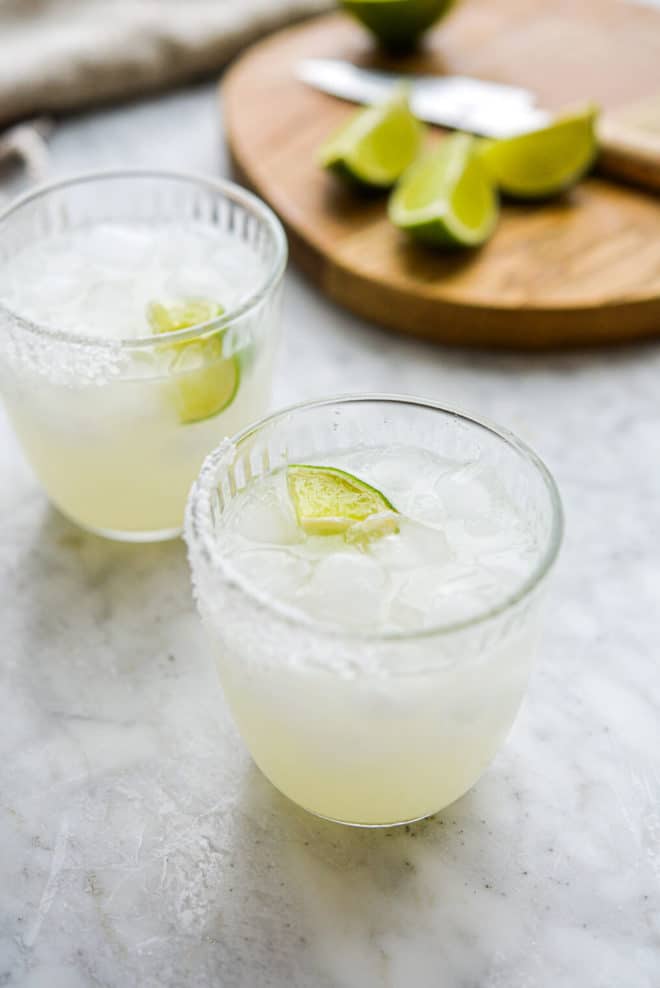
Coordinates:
x,y
629,140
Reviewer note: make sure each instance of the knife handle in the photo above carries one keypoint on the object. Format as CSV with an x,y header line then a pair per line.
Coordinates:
x,y
630,144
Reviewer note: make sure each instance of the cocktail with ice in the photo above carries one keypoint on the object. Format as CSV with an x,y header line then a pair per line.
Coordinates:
x,y
138,318
370,571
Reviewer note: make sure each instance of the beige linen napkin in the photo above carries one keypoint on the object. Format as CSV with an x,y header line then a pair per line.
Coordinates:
x,y
64,54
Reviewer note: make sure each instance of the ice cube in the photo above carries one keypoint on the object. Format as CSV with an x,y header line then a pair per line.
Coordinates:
x,y
429,596
266,516
119,246
277,571
464,492
346,587
414,545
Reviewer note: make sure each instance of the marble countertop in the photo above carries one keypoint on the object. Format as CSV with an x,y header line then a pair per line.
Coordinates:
x,y
139,848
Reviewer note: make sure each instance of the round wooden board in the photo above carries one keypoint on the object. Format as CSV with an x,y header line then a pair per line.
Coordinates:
x,y
579,270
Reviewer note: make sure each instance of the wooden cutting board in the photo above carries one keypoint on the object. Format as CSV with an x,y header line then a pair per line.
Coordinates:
x,y
581,269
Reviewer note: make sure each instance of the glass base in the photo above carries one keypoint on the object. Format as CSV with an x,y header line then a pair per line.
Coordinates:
x,y
352,823
372,826
162,535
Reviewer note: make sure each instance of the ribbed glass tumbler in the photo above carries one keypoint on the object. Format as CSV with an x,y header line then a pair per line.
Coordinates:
x,y
364,725
116,426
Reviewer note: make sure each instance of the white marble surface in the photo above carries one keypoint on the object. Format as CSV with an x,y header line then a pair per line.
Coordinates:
x,y
138,846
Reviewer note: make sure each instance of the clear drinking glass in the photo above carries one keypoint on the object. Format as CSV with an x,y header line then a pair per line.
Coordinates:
x,y
370,729
117,428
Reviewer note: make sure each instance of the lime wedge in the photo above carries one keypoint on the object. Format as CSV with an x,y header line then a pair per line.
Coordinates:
x,y
447,199
376,145
182,315
547,161
398,24
203,381
328,501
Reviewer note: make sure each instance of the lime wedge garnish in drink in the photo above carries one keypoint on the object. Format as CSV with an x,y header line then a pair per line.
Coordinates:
x,y
203,381
397,24
182,315
376,145
447,199
547,161
328,501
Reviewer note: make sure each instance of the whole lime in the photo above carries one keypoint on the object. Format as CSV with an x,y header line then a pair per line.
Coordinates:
x,y
398,24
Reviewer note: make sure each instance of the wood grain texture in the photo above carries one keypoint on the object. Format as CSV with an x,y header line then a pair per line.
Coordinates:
x,y
582,269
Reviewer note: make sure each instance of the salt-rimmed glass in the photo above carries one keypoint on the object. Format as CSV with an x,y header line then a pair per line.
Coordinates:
x,y
95,416
366,728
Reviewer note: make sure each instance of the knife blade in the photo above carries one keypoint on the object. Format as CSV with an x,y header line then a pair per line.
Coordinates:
x,y
489,109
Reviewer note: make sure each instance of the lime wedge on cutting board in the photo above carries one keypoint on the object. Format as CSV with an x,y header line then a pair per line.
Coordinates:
x,y
546,161
328,501
203,381
398,24
447,199
376,145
